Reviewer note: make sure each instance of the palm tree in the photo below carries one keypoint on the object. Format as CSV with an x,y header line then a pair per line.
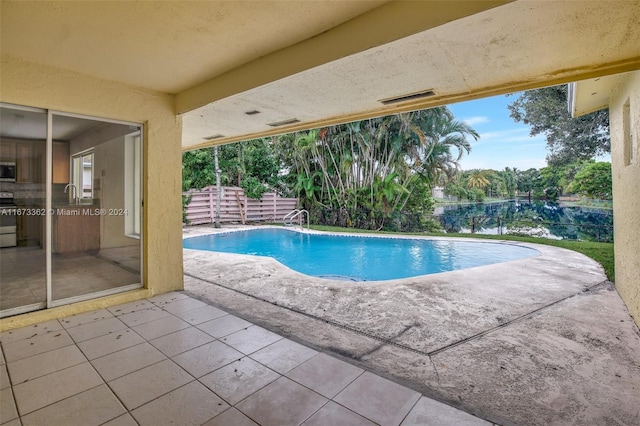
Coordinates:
x,y
477,180
378,162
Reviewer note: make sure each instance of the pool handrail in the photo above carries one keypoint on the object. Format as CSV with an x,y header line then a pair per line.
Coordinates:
x,y
288,219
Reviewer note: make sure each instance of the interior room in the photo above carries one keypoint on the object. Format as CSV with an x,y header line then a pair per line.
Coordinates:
x,y
71,208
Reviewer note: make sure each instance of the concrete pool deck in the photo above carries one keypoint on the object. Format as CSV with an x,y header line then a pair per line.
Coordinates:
x,y
543,340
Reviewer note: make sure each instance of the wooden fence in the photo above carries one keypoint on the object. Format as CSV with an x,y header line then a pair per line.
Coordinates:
x,y
235,206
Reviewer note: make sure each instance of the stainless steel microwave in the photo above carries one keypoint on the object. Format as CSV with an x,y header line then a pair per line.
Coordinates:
x,y
7,171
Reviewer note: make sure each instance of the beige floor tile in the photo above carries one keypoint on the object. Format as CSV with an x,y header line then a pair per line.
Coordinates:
x,y
4,377
109,343
224,326
166,298
161,327
237,380
127,308
45,390
335,414
2,360
207,358
92,407
36,366
428,412
283,355
22,333
231,417
250,339
181,341
147,384
127,361
8,410
14,422
183,305
123,420
325,375
378,399
96,329
283,402
200,315
143,316
85,318
192,404
36,345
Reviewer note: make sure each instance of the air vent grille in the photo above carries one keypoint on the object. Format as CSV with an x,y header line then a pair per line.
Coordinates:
x,y
408,97
210,138
283,122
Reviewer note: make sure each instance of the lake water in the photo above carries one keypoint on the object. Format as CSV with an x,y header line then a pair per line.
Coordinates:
x,y
523,218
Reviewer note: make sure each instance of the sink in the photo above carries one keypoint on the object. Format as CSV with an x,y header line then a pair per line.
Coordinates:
x,y
80,203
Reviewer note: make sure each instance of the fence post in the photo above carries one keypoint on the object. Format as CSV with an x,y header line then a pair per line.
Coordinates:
x,y
211,208
245,206
275,207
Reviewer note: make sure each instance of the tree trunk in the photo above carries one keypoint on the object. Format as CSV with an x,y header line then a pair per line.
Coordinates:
x,y
218,187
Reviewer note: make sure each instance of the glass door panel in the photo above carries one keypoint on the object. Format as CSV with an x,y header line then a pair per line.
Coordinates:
x,y
23,279
93,251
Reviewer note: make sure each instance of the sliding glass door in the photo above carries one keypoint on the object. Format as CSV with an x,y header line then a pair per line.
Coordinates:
x,y
23,241
84,178
92,252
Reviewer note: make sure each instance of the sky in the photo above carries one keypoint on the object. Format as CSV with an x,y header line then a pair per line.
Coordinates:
x,y
503,142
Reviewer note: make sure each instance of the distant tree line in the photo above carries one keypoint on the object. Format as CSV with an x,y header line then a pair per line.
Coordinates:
x,y
585,178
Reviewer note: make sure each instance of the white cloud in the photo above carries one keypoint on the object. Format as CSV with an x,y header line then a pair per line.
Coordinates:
x,y
500,163
510,136
475,120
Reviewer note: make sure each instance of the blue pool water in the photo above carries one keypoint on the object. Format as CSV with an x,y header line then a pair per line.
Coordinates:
x,y
359,258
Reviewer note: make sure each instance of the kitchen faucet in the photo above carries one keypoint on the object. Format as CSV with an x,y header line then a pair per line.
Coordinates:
x,y
74,193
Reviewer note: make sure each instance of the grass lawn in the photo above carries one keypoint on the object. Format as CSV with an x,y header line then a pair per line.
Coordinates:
x,y
600,252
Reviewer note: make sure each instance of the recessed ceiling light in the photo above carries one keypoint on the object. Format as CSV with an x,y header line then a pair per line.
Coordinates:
x,y
283,122
218,136
252,112
408,97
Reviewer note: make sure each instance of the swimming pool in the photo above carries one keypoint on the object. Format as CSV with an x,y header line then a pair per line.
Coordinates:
x,y
359,258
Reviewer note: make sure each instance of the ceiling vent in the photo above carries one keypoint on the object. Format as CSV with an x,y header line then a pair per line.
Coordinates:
x,y
252,112
408,97
283,122
210,138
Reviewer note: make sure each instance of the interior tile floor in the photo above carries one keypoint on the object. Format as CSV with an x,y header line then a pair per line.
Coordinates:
x,y
173,359
23,273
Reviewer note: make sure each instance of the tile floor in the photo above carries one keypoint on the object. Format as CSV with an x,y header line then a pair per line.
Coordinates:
x,y
23,277
172,359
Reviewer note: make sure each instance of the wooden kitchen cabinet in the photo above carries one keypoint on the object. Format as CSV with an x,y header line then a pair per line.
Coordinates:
x,y
38,165
77,230
7,150
24,162
29,229
61,162
30,161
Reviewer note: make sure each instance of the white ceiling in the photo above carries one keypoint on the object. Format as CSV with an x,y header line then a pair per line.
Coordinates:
x,y
28,123
592,94
509,48
166,46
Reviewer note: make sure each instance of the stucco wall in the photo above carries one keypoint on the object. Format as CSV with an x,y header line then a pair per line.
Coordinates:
x,y
30,84
626,198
